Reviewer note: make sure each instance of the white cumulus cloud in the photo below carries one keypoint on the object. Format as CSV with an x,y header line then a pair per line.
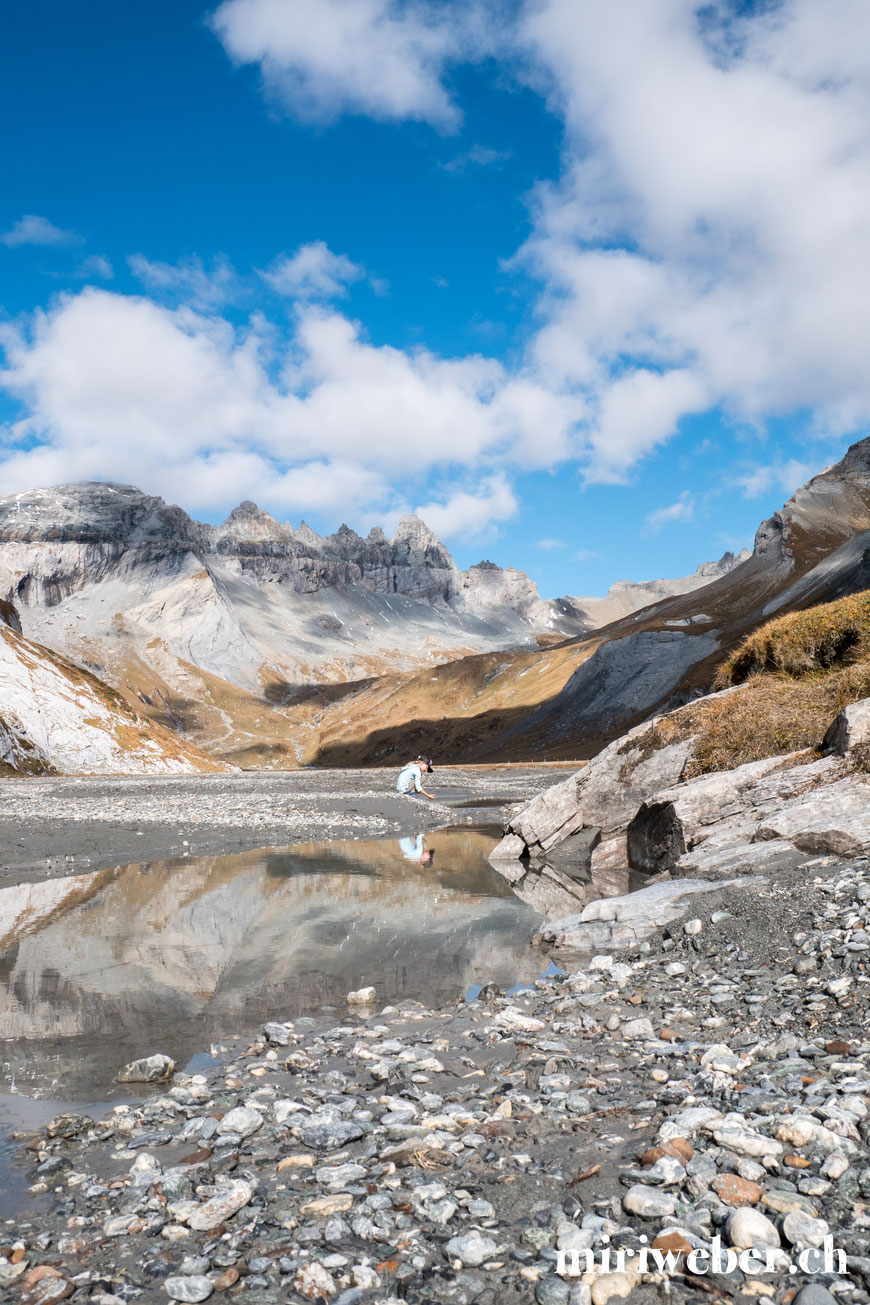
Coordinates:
x,y
313,272
185,403
467,514
705,241
321,58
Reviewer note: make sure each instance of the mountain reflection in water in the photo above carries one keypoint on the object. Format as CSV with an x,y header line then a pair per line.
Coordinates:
x,y
168,956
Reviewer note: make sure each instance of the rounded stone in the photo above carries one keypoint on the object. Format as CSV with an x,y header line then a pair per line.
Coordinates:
x,y
472,1249
648,1202
608,1286
362,997
814,1294
150,1069
736,1191
803,1231
243,1120
552,1291
189,1287
748,1227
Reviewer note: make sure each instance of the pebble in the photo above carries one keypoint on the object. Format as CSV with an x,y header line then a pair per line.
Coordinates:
x,y
219,1208
189,1288
399,1155
803,1231
243,1120
472,1249
814,1294
736,1191
747,1227
312,1281
648,1202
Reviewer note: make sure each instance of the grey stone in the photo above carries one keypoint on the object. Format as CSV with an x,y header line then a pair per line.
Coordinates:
x,y
552,1291
151,1069
328,1135
813,1293
472,1249
849,729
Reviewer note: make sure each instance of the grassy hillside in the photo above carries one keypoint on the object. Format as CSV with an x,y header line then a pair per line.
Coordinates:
x,y
789,679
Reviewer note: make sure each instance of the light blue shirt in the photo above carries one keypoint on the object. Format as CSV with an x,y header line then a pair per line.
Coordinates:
x,y
412,848
411,776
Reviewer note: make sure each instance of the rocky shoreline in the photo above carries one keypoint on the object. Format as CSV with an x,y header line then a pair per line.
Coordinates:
x,y
711,1082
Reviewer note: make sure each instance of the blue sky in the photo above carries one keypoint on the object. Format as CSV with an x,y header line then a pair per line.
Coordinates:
x,y
576,285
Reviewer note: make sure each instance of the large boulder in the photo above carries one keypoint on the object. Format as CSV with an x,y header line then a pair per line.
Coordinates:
x,y
849,730
725,809
626,920
603,796
834,820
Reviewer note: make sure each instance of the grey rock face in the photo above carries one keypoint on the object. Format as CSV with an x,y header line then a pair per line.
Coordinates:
x,y
622,678
850,729
98,567
603,796
623,921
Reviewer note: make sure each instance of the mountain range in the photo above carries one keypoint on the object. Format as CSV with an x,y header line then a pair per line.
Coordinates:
x,y
256,643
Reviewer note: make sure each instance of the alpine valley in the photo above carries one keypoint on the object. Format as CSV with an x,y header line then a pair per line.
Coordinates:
x,y
255,644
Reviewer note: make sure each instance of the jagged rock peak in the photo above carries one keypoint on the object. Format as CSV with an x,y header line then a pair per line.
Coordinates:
x,y
305,535
726,563
415,544
248,521
831,506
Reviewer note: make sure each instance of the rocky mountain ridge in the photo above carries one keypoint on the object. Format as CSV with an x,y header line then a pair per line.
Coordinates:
x,y
270,645
569,702
214,629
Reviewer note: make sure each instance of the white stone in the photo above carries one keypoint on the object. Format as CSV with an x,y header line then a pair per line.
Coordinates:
x,y
361,997
748,1227
243,1120
648,1202
640,1028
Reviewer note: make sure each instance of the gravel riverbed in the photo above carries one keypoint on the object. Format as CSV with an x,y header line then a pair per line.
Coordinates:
x,y
710,1088
47,824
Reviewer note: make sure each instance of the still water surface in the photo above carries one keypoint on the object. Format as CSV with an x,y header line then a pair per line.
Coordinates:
x,y
171,956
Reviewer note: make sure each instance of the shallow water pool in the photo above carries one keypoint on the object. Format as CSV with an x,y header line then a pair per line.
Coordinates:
x,y
172,956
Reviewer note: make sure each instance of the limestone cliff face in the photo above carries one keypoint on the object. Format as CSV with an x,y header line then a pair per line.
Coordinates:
x,y
56,718
55,541
152,601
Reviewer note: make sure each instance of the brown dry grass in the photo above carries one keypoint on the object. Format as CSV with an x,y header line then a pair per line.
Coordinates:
x,y
818,639
792,676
